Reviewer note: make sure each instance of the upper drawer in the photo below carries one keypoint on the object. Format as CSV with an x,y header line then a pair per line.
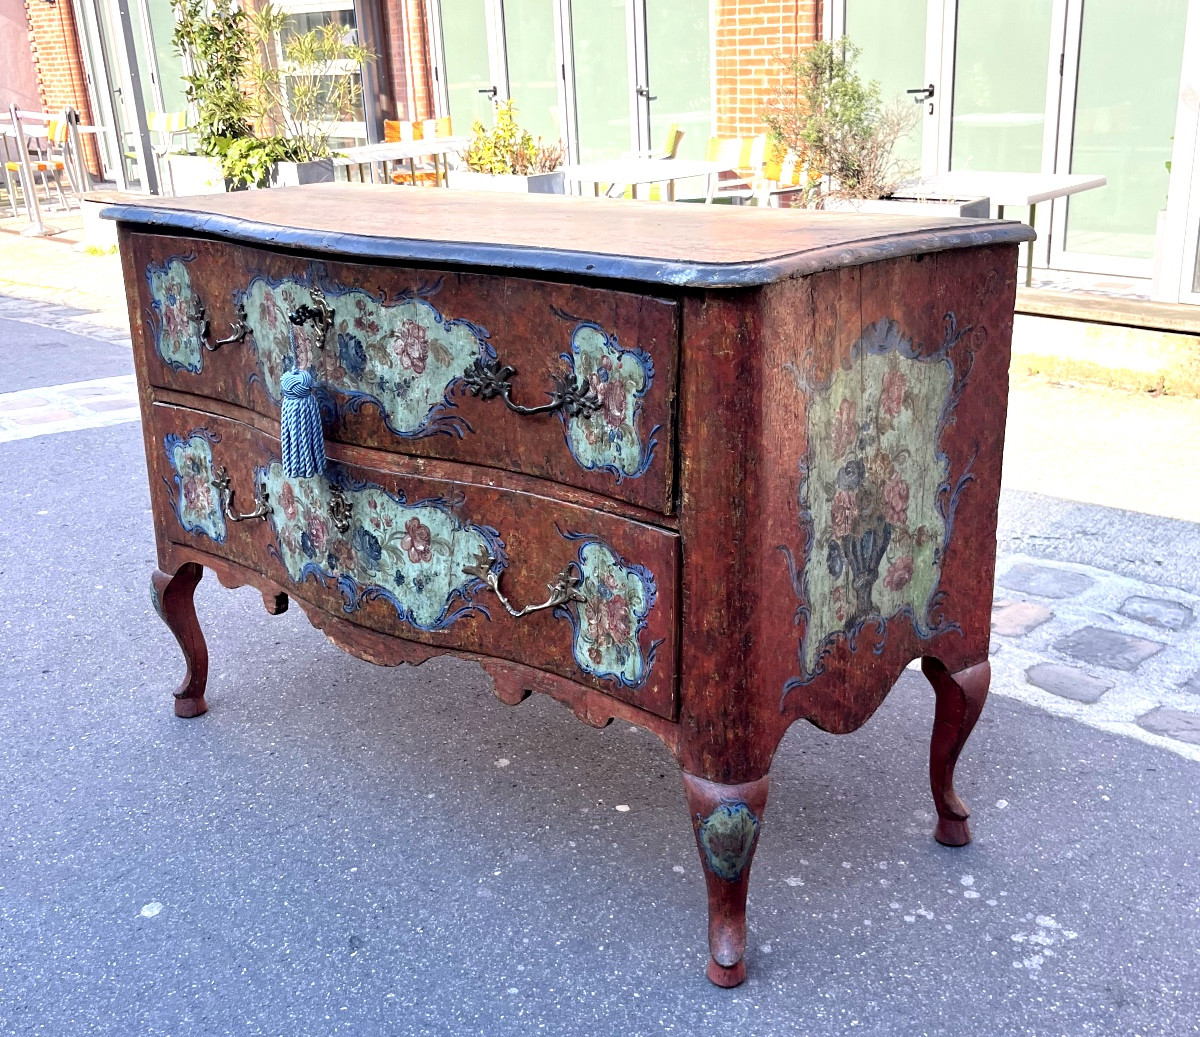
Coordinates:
x,y
416,361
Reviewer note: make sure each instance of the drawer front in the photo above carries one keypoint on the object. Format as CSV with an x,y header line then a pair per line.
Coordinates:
x,y
425,363
412,556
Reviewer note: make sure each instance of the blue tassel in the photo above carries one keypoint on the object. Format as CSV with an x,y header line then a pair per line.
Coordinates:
x,y
300,436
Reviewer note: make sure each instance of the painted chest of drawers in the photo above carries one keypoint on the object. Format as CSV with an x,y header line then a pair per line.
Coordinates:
x,y
705,471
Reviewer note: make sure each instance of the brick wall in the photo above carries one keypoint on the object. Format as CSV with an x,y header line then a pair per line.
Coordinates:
x,y
405,68
58,64
751,36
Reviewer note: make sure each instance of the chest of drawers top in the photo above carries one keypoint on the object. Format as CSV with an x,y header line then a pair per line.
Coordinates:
x,y
668,244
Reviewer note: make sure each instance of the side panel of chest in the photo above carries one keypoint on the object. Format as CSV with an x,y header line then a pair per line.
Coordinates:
x,y
881,461
424,362
394,549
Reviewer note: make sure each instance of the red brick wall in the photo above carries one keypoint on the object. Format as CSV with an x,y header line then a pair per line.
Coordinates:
x,y
58,63
405,68
751,36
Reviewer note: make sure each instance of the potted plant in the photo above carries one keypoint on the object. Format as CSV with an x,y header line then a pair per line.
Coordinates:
x,y
847,134
265,100
507,158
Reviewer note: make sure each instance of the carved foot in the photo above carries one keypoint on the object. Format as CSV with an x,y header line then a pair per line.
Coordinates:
x,y
172,596
960,698
726,820
275,604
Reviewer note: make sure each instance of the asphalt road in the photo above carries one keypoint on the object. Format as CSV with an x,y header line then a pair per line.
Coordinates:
x,y
340,848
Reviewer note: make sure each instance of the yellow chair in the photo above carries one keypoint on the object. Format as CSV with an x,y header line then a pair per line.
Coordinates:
x,y
166,126
397,130
785,175
670,149
743,159
48,159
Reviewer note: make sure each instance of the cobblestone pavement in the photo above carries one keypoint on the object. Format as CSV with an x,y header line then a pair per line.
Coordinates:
x,y
67,408
1113,652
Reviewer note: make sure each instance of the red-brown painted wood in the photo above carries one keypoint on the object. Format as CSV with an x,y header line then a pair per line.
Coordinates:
x,y
173,602
725,520
960,699
531,527
529,323
726,820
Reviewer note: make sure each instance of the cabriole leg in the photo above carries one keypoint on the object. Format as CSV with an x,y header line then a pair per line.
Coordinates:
x,y
726,820
960,697
172,596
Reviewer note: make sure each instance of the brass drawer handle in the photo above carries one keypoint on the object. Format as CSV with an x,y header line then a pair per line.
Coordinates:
x,y
225,496
198,315
339,510
487,381
564,588
319,314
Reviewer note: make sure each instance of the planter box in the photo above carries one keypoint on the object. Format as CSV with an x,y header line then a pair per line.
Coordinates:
x,y
192,174
977,207
293,174
99,233
535,183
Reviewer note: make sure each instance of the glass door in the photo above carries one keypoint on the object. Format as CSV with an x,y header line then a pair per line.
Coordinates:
x,y
533,64
466,70
679,81
1121,83
903,48
602,59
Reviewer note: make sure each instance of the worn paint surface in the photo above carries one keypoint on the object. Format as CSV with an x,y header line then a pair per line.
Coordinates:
x,y
402,358
610,439
411,554
195,499
875,490
608,624
176,336
727,839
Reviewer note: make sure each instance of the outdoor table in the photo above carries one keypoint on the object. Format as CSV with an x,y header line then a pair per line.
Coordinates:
x,y
635,171
704,470
1003,189
403,151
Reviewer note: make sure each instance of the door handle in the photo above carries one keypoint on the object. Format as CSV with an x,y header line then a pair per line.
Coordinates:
x,y
644,91
491,91
921,93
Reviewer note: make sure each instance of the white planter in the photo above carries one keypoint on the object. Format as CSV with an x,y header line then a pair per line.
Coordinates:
x,y
192,174
535,183
98,233
293,174
977,207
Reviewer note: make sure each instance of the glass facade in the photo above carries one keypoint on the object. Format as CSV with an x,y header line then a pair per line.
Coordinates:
x,y
679,62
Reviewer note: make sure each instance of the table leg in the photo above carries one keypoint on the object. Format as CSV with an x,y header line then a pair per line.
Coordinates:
x,y
726,821
172,597
1029,246
960,697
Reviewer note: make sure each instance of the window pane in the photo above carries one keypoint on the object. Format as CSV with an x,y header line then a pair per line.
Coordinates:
x,y
532,68
1129,63
678,53
1000,67
891,35
464,37
601,78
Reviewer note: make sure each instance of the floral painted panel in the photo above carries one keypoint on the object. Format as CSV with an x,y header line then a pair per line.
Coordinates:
x,y
412,555
727,837
176,335
608,623
402,357
196,501
609,439
876,492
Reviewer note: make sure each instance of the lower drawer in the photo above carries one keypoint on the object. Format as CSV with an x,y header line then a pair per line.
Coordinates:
x,y
441,561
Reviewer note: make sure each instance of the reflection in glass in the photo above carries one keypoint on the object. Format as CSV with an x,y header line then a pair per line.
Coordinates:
x,y
600,51
465,42
678,53
532,68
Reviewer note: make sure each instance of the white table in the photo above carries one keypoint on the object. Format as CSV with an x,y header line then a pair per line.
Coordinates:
x,y
1003,189
634,171
402,151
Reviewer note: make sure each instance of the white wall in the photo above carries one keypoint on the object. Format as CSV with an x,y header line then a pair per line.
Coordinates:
x,y
17,80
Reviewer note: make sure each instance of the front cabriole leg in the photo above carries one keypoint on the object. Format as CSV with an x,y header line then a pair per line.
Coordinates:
x,y
172,596
960,697
726,820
